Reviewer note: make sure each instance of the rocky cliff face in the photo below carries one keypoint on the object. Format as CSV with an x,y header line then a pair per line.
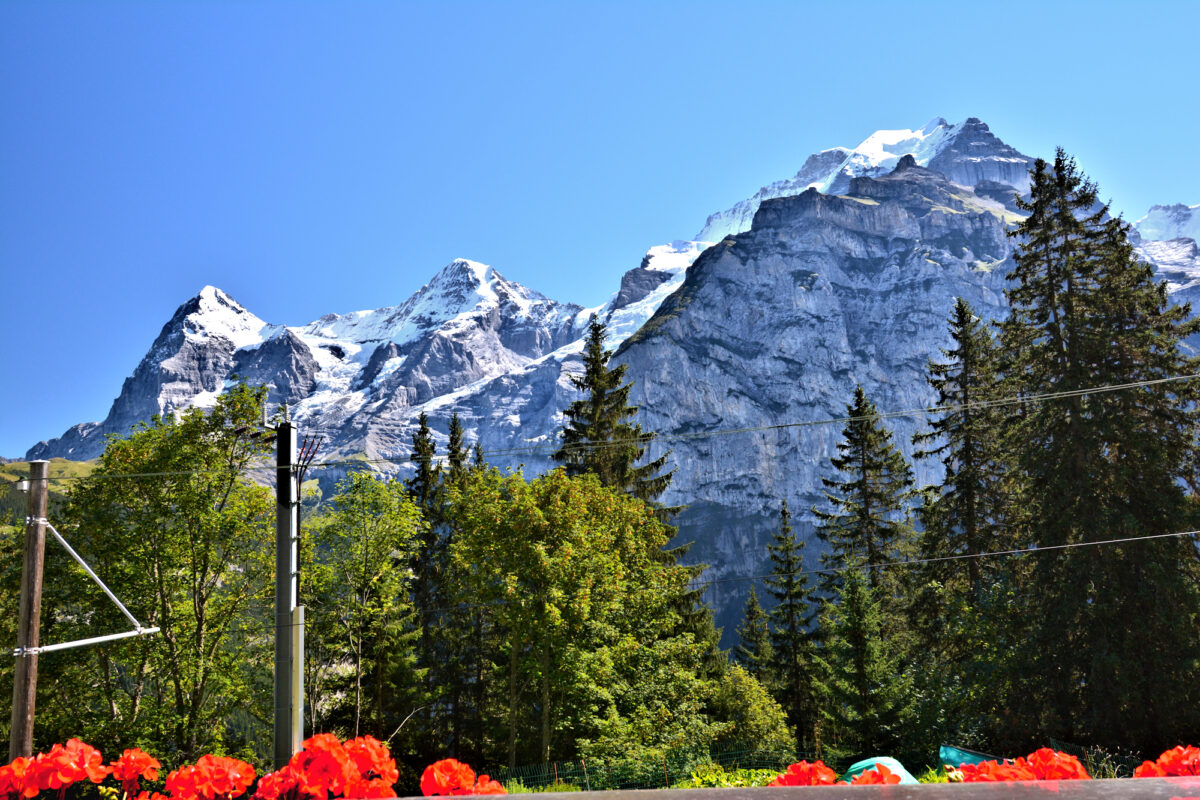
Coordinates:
x,y
772,330
739,352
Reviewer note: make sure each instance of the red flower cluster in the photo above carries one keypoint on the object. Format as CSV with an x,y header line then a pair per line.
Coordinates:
x,y
210,778
325,768
806,774
132,766
454,777
56,770
878,776
1183,760
1041,765
13,777
994,771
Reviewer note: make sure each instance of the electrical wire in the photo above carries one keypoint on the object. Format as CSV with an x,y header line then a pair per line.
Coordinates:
x,y
704,586
670,438
695,435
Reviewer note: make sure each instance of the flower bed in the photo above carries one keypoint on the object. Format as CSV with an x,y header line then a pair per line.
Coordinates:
x,y
329,768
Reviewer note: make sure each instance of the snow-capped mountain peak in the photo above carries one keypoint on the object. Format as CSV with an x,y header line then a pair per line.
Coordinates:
x,y
967,153
882,150
212,312
1177,221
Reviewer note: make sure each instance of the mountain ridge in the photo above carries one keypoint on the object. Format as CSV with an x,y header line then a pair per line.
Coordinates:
x,y
774,324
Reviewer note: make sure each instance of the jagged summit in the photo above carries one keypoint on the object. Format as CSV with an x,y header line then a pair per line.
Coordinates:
x,y
967,153
1163,223
213,312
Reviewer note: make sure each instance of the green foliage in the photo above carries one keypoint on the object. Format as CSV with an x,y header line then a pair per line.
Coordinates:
x,y
739,699
1110,631
574,599
707,776
966,512
754,650
361,664
868,522
559,786
932,775
187,546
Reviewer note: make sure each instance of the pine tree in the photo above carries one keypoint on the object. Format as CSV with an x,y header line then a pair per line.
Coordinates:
x,y
599,437
966,512
791,621
424,487
456,450
958,606
1112,632
869,517
754,650
865,693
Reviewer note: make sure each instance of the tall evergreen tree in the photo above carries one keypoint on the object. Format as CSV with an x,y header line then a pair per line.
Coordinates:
x,y
424,487
456,450
1113,632
966,512
791,629
754,650
869,520
958,606
865,693
599,437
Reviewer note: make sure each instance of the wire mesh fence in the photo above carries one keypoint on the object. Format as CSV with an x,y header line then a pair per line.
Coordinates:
x,y
652,770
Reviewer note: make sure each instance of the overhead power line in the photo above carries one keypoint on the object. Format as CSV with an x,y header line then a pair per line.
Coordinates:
x,y
681,437
705,585
912,562
548,450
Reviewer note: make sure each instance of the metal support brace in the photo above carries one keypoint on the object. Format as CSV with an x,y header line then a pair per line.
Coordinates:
x,y
138,630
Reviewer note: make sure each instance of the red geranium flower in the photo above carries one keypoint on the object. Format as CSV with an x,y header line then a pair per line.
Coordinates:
x,y
63,766
13,777
369,789
372,759
1053,765
451,777
132,766
990,771
486,785
877,776
211,778
1182,760
324,766
805,774
287,783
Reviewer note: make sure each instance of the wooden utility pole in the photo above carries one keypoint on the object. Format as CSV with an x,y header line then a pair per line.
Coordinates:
x,y
30,614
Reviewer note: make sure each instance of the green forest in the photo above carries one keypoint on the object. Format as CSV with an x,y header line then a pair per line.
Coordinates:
x,y
1047,588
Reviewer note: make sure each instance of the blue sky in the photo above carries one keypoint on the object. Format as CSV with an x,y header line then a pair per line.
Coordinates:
x,y
315,157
